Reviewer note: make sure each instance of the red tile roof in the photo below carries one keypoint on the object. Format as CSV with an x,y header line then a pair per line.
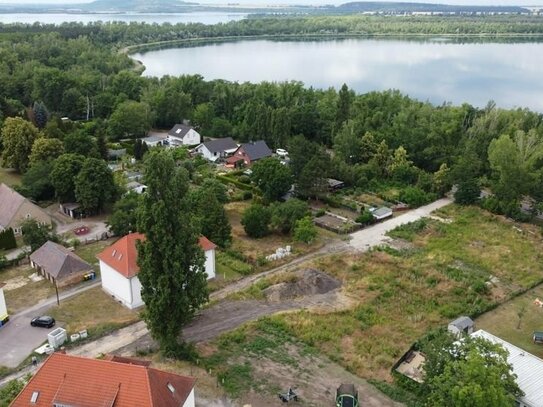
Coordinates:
x,y
122,255
82,382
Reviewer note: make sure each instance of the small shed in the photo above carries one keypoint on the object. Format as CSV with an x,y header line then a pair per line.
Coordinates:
x,y
334,184
72,209
461,326
382,213
4,317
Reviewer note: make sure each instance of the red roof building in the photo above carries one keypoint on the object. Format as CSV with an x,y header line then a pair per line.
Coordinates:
x,y
65,380
119,268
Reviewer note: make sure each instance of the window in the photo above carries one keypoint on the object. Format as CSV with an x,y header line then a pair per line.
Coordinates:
x,y
34,397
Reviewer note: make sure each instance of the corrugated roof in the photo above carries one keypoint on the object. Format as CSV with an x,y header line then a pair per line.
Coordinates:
x,y
122,255
58,261
462,322
527,367
72,380
10,202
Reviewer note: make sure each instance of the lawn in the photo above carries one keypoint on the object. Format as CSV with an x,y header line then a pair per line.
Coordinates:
x,y
401,295
21,292
504,321
93,310
9,177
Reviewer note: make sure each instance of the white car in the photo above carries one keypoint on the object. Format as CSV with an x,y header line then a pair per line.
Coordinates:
x,y
281,152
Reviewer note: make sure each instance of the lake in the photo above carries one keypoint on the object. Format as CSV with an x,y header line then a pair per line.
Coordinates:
x,y
51,18
436,70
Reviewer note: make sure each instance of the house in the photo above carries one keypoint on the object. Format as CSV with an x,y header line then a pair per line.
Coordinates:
x,y
248,153
66,380
155,140
382,213
59,265
119,268
219,148
16,209
526,366
183,135
4,317
461,326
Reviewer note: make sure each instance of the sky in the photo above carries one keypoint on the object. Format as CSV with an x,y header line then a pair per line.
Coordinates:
x,y
316,2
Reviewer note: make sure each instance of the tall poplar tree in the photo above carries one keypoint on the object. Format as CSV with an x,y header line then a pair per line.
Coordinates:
x,y
172,272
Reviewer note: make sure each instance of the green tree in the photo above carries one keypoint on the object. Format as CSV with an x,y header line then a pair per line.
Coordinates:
x,y
124,216
441,182
101,146
285,215
465,174
312,181
36,182
35,235
273,178
218,188
467,192
343,105
256,221
211,216
40,114
45,149
94,185
7,239
130,119
11,390
79,142
18,136
171,263
473,372
63,174
305,230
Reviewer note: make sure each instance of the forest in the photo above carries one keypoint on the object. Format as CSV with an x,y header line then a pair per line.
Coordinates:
x,y
76,71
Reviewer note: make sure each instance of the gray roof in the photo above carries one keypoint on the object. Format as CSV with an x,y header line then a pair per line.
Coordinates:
x,y
10,202
257,150
179,130
462,322
382,211
58,261
221,144
154,138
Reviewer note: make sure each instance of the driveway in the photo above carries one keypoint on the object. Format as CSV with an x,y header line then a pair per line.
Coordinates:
x,y
375,235
18,339
97,229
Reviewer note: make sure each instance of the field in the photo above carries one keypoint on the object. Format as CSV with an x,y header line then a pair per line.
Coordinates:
x,y
463,262
504,321
21,291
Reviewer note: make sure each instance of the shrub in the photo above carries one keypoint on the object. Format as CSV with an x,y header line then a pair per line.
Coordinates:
x,y
244,179
7,239
320,212
415,197
256,221
305,230
365,218
247,195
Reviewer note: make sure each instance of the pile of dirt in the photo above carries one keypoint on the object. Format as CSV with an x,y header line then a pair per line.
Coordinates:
x,y
307,282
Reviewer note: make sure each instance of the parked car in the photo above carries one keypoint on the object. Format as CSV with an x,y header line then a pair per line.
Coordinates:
x,y
281,152
44,321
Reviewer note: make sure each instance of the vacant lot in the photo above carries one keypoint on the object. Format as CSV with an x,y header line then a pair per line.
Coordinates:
x,y
401,295
516,320
22,291
93,310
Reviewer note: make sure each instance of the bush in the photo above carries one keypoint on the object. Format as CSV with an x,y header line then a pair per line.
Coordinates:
x,y
244,179
7,239
256,221
320,212
247,195
415,197
365,218
305,230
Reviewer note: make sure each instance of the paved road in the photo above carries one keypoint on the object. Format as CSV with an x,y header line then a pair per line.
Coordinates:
x,y
375,235
18,339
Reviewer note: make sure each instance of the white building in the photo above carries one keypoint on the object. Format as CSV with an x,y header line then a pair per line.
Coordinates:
x,y
183,135
527,367
219,148
119,268
461,326
4,317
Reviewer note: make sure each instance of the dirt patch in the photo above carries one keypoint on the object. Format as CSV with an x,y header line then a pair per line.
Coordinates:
x,y
307,282
16,282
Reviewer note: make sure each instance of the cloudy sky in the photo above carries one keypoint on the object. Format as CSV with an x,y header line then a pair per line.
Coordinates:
x,y
477,2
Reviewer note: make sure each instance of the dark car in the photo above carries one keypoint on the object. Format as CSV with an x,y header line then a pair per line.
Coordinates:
x,y
43,321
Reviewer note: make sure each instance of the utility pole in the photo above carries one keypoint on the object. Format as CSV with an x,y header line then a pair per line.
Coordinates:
x,y
56,289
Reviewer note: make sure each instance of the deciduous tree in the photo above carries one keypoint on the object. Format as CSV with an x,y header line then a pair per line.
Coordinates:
x,y
65,169
18,136
94,185
273,178
45,149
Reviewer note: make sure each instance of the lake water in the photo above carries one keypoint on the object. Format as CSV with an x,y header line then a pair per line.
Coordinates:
x,y
435,70
50,18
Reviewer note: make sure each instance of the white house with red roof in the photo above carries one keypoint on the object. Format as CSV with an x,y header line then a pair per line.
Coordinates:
x,y
119,268
65,380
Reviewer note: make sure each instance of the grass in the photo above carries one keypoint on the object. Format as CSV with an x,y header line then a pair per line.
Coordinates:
x,y
9,177
401,297
504,321
29,293
95,311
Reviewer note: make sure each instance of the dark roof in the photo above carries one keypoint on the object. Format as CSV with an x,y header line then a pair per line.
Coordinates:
x,y
462,322
256,150
347,389
221,144
179,130
58,261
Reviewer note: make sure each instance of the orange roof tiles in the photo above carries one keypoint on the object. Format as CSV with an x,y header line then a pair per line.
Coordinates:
x,y
122,255
82,382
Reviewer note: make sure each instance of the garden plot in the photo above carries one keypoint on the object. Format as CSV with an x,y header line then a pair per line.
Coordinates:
x,y
337,224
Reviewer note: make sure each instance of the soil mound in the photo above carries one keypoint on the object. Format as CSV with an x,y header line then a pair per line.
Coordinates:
x,y
306,282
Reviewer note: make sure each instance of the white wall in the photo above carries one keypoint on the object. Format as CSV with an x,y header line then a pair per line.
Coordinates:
x,y
191,138
210,264
135,285
120,287
3,308
190,400
207,154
